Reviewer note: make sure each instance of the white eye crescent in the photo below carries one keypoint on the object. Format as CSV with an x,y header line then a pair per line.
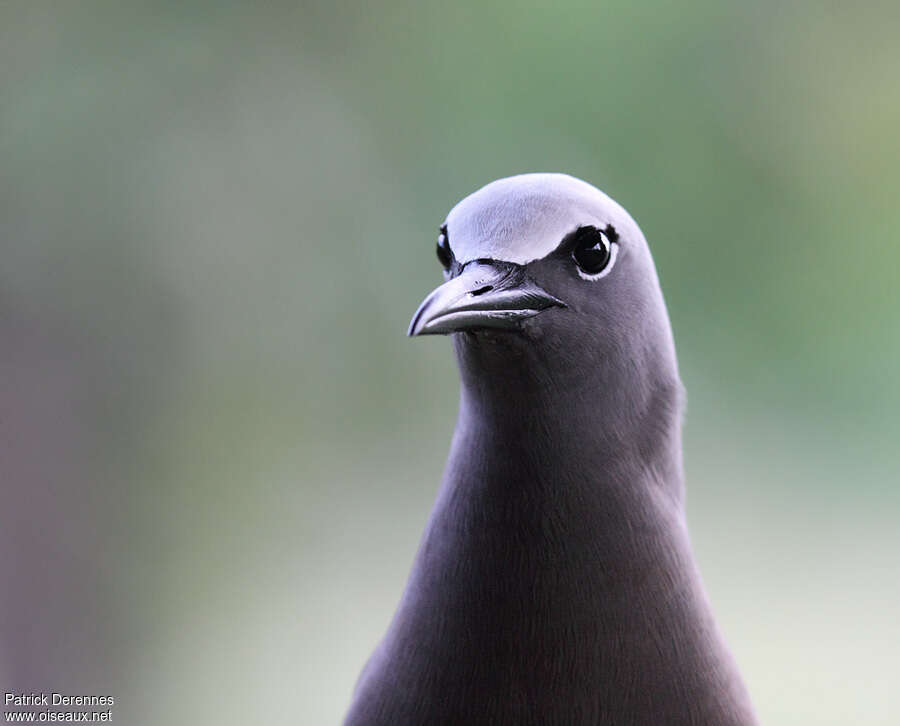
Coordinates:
x,y
593,250
613,251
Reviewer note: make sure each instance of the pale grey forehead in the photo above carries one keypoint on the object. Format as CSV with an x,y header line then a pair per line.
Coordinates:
x,y
524,218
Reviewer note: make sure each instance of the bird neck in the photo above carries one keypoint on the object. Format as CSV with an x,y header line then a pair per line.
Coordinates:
x,y
556,564
528,483
580,541
586,436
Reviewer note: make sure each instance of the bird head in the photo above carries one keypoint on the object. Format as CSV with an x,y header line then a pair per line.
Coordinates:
x,y
545,269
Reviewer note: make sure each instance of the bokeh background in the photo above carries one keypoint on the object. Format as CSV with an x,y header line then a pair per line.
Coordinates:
x,y
217,446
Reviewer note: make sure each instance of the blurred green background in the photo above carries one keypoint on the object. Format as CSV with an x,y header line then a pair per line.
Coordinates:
x,y
217,446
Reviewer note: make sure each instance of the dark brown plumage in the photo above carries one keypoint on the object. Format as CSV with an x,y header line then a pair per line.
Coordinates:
x,y
555,582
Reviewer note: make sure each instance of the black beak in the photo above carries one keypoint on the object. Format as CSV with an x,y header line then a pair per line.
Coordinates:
x,y
486,294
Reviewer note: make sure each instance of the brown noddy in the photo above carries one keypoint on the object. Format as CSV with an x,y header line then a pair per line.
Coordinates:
x,y
555,582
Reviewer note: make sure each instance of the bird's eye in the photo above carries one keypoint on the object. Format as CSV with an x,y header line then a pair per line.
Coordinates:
x,y
444,255
593,249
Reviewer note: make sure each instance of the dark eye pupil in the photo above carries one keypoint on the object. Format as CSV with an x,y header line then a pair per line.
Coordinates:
x,y
592,250
445,257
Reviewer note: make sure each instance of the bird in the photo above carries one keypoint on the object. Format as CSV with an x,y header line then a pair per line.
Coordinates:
x,y
555,581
